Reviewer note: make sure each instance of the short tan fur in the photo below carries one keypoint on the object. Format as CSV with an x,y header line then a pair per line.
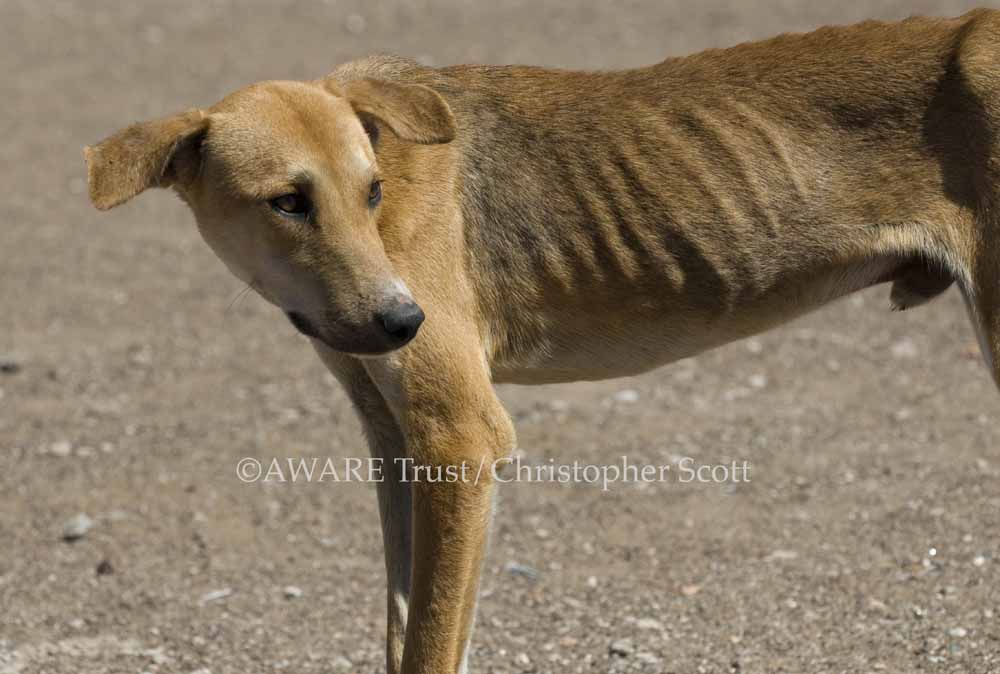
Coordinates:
x,y
436,230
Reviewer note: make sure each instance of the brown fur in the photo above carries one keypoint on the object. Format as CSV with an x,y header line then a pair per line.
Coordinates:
x,y
560,225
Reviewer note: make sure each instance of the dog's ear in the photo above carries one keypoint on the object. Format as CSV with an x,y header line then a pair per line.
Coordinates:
x,y
413,112
158,153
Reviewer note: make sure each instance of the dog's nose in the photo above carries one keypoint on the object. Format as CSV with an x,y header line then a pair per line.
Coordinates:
x,y
302,324
401,321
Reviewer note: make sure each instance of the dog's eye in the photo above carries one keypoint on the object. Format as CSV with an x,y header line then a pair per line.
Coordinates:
x,y
375,193
291,204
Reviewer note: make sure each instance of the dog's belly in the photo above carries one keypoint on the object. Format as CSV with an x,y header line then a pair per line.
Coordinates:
x,y
593,359
634,340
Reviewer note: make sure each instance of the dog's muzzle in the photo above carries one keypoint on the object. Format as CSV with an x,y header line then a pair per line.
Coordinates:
x,y
391,327
401,321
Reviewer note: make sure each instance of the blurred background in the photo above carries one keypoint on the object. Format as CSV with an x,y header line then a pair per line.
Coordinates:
x,y
131,383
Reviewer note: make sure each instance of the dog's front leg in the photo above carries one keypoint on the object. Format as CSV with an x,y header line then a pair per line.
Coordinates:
x,y
386,443
451,527
455,431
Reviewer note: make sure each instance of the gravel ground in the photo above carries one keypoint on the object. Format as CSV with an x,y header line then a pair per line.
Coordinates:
x,y
131,384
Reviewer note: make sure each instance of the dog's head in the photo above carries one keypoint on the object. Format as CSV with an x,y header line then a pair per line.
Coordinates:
x,y
283,180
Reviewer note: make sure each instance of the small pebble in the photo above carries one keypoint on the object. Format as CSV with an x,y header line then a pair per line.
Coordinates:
x,y
292,592
903,414
877,605
558,405
628,396
156,654
216,595
958,632
621,648
523,570
341,664
649,624
77,527
783,555
104,568
647,658
61,448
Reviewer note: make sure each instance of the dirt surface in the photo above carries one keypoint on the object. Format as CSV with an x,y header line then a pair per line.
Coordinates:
x,y
131,384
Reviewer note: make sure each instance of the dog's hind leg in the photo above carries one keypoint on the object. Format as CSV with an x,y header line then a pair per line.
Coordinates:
x,y
982,297
386,443
974,173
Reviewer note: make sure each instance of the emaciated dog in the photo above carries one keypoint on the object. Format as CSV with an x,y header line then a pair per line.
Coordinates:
x,y
517,224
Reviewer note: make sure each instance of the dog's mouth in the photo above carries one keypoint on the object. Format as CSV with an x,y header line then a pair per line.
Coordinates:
x,y
302,324
391,328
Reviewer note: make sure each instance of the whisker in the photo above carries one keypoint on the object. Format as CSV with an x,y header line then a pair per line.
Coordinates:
x,y
241,294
